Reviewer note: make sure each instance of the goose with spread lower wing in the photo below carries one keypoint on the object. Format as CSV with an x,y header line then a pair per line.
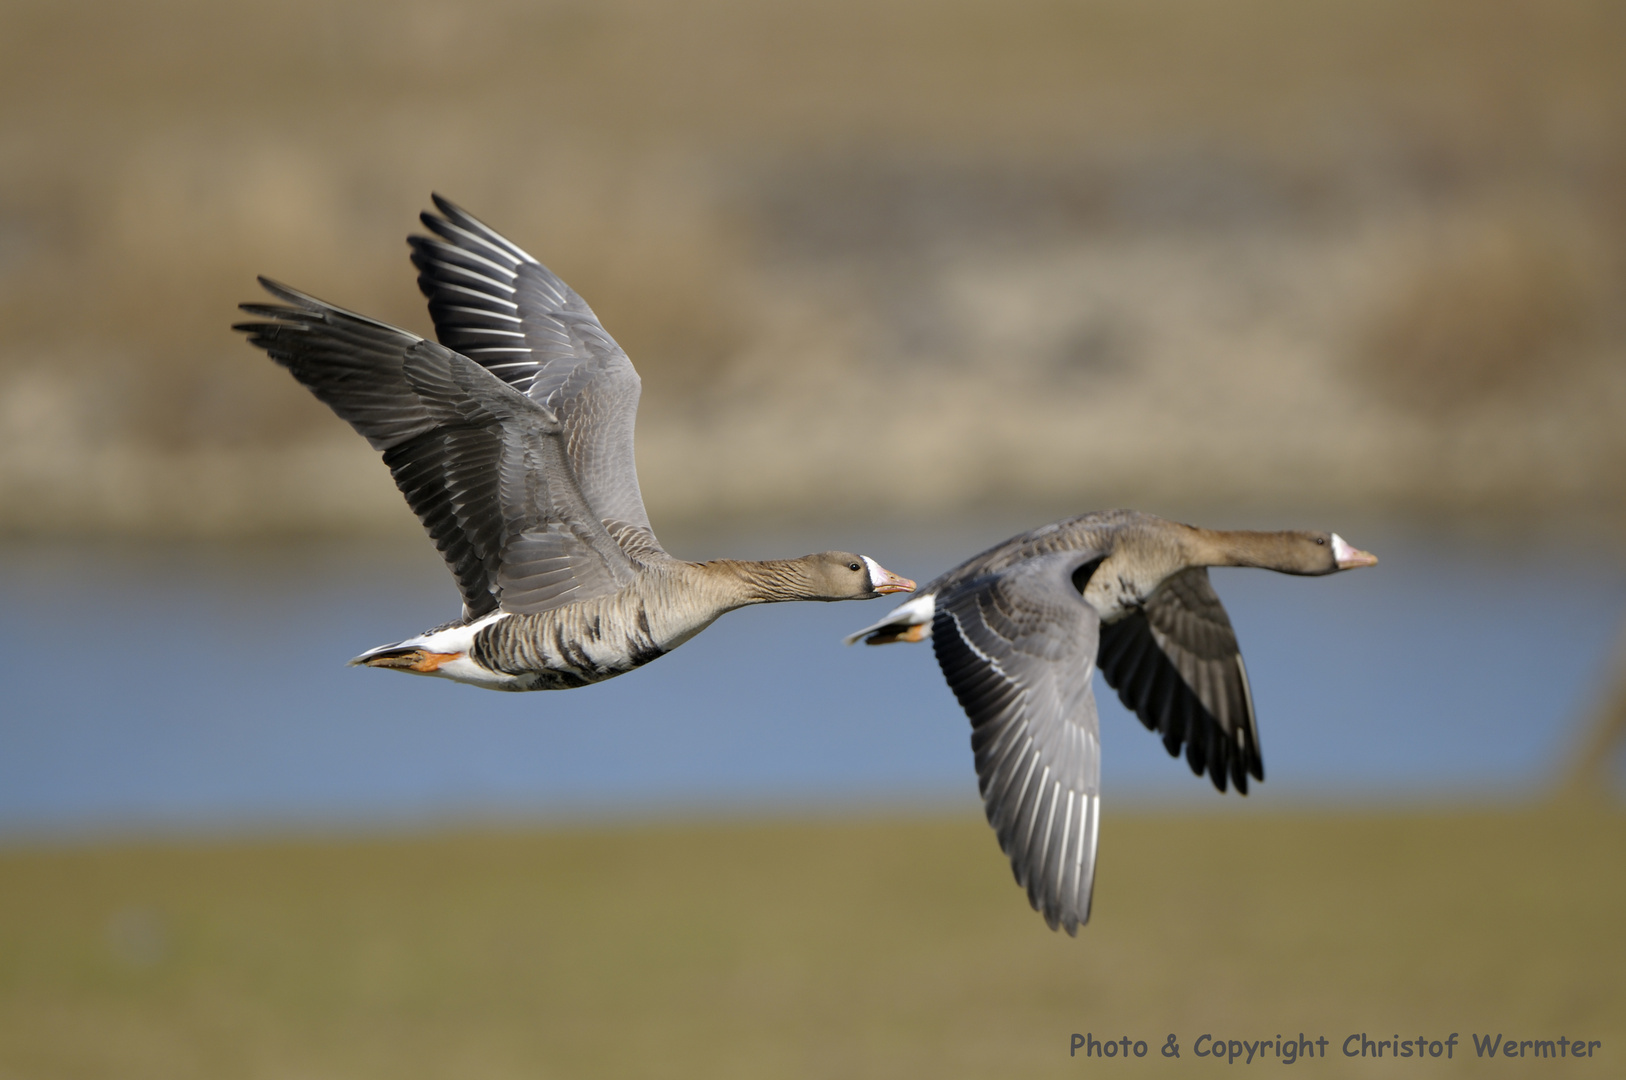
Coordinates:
x,y
512,441
1019,631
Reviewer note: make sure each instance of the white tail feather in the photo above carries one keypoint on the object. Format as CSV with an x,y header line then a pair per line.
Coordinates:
x,y
916,611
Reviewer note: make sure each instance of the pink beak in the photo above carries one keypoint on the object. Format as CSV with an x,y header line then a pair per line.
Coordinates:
x,y
884,581
1347,557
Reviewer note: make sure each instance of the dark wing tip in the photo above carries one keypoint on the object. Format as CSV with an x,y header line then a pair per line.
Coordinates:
x,y
449,214
453,216
279,319
292,314
287,293
266,311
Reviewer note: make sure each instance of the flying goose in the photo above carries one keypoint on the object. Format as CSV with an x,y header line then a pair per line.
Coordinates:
x,y
512,441
1019,631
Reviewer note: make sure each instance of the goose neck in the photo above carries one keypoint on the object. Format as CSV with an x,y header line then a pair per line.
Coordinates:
x,y
1244,547
766,581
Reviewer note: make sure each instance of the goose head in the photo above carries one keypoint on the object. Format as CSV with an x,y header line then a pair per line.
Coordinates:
x,y
1316,553
841,575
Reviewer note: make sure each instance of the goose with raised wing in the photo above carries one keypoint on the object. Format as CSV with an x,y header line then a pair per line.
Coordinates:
x,y
512,441
1019,631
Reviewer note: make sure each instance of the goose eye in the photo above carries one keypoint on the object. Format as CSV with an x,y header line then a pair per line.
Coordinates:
x,y
1321,540
852,566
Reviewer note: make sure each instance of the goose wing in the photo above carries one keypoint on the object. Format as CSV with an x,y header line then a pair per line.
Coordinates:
x,y
1018,649
1176,665
482,465
498,306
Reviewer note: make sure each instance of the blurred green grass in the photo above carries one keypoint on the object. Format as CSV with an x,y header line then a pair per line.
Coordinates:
x,y
888,947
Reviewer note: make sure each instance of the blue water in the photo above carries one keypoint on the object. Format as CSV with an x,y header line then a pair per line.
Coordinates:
x,y
205,689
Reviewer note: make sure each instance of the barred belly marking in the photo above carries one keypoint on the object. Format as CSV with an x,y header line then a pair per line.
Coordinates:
x,y
565,648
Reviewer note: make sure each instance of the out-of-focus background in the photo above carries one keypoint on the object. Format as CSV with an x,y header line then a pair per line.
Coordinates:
x,y
900,277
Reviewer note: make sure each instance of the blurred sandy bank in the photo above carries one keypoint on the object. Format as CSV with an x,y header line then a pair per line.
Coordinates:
x,y
898,257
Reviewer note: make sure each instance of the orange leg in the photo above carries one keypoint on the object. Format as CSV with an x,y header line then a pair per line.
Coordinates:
x,y
887,637
425,663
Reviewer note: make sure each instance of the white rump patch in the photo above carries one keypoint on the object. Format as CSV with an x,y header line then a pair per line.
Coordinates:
x,y
915,611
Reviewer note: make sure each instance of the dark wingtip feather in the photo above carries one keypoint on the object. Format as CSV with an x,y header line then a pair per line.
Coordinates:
x,y
267,311
450,212
286,293
446,206
1219,767
1195,757
440,224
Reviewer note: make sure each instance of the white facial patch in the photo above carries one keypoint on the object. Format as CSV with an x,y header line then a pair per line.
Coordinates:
x,y
1343,551
876,574
1347,557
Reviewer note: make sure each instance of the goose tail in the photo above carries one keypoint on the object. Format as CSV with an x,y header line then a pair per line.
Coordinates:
x,y
404,657
909,621
433,652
